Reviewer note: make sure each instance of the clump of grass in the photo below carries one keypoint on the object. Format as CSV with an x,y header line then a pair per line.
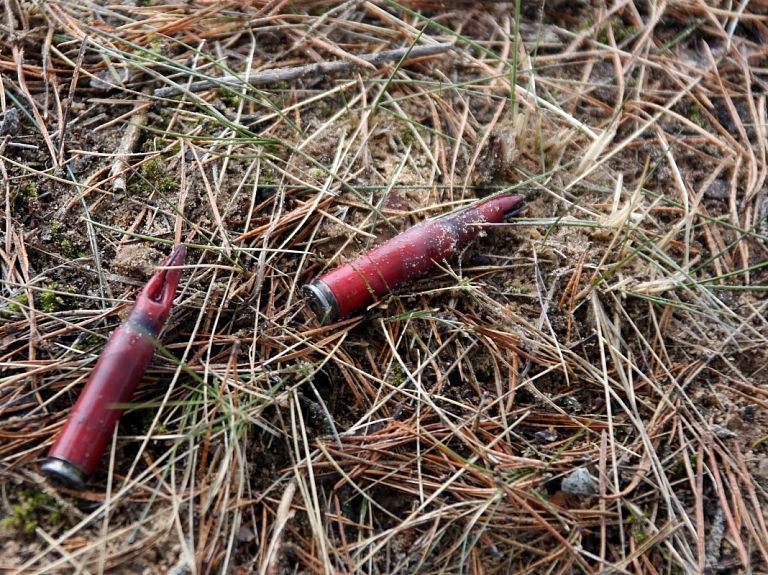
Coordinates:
x,y
33,506
23,194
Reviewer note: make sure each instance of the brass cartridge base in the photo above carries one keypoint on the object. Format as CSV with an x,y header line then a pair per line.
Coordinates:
x,y
65,472
322,301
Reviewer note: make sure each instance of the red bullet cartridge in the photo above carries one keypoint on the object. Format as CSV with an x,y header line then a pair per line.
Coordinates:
x,y
85,435
407,256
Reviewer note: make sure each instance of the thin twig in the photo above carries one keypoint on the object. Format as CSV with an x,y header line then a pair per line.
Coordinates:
x,y
310,70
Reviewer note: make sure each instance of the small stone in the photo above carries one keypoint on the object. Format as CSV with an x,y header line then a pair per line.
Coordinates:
x,y
749,412
548,436
110,79
722,432
137,260
579,482
11,123
245,534
762,468
479,260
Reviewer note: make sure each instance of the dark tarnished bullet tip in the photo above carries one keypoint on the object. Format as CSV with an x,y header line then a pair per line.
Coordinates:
x,y
516,211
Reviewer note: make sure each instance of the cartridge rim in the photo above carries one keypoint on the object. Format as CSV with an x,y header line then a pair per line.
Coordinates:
x,y
66,472
322,301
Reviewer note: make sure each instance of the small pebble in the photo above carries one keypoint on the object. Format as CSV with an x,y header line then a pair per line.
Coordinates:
x,y
479,260
547,436
749,413
105,79
722,432
762,468
11,123
579,482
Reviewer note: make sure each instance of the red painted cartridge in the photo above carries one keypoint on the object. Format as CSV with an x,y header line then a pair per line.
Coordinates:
x,y
411,254
87,432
